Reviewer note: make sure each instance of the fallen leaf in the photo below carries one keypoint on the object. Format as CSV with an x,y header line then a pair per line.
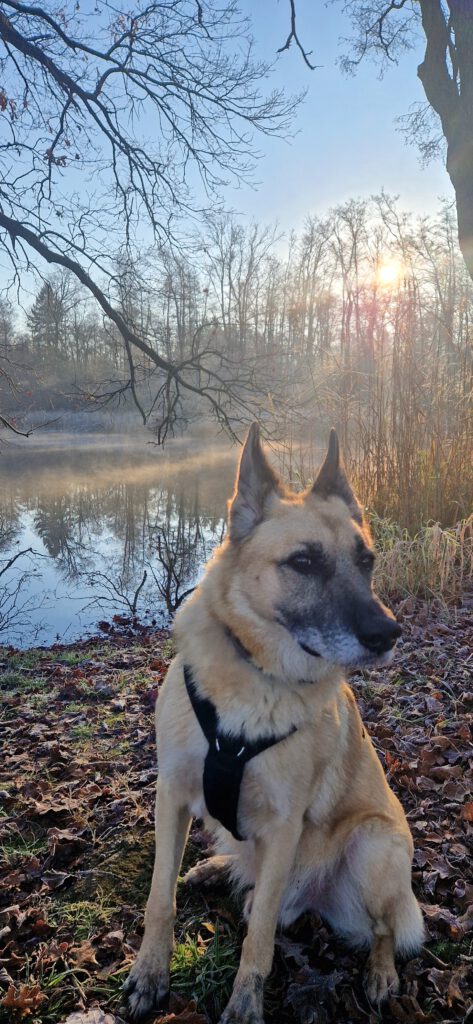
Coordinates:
x,y
467,811
186,1013
84,955
93,1016
26,998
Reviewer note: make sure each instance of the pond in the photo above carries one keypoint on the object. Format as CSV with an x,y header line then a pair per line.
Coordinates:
x,y
93,527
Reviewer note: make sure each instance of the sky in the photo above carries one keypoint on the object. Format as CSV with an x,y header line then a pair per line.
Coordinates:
x,y
347,144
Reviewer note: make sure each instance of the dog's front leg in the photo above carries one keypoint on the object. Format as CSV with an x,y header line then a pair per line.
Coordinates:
x,y
147,986
275,858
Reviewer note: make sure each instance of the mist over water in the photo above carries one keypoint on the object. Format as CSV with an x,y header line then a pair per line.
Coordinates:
x,y
107,526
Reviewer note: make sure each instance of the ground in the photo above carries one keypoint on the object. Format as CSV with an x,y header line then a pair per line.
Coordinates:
x,y
77,787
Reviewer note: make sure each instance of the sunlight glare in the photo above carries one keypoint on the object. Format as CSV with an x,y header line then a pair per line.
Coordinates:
x,y
389,272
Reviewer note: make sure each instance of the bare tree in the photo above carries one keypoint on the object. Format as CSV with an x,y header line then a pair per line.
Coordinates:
x,y
81,169
386,29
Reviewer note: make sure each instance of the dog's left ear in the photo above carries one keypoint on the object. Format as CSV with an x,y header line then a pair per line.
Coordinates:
x,y
332,479
255,482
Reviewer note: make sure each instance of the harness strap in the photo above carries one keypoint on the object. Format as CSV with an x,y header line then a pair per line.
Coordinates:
x,y
225,760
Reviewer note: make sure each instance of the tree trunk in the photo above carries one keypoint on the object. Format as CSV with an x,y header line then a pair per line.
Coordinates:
x,y
447,77
460,169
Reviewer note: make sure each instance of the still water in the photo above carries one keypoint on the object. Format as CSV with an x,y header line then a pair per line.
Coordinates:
x,y
92,527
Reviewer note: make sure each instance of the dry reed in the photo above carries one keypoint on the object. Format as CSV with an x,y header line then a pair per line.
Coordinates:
x,y
436,564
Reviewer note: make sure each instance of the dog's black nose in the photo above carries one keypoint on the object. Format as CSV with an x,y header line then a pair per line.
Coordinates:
x,y
379,636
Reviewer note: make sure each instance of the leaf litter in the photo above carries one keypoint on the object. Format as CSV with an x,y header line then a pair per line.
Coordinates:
x,y
77,780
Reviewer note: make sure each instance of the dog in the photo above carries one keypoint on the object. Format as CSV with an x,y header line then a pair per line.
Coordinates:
x,y
259,735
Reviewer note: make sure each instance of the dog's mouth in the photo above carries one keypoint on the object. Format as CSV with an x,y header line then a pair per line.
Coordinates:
x,y
309,650
304,647
362,657
373,660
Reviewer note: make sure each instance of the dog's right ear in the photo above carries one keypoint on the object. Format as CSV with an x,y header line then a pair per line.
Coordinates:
x,y
332,479
254,483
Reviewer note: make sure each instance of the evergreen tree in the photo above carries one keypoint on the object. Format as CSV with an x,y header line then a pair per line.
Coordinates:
x,y
6,323
47,320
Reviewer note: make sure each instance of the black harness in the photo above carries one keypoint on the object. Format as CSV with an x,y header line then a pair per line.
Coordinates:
x,y
225,761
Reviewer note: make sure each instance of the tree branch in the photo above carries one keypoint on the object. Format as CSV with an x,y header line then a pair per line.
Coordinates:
x,y
439,87
294,36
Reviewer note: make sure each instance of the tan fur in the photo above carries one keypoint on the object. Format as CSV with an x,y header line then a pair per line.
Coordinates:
x,y
325,831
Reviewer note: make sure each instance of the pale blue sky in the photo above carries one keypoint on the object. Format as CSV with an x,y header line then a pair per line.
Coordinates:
x,y
348,144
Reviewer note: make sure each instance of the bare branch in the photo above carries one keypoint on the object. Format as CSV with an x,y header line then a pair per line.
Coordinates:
x,y
11,561
294,36
10,426
80,172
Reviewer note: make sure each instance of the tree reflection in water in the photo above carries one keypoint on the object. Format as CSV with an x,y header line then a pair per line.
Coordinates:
x,y
126,529
181,549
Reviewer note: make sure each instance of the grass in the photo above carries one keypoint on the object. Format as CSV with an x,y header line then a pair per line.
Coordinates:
x,y
77,657
168,648
85,916
82,732
22,846
436,564
204,969
13,681
25,659
35,688
448,950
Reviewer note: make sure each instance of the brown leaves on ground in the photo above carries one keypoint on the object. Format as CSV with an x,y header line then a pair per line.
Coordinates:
x,y
23,1001
182,1012
92,1016
77,780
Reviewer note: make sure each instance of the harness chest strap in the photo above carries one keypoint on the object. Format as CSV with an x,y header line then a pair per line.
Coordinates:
x,y
225,761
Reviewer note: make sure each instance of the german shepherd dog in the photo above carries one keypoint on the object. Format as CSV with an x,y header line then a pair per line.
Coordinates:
x,y
259,735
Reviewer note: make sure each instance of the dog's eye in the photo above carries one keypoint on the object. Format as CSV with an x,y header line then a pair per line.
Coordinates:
x,y
364,557
366,560
307,564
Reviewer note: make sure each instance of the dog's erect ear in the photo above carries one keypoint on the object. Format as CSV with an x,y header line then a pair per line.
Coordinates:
x,y
332,479
254,483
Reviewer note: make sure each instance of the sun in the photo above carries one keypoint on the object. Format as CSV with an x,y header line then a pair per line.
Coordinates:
x,y
389,272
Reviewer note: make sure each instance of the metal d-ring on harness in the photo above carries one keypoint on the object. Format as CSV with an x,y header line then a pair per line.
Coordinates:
x,y
225,761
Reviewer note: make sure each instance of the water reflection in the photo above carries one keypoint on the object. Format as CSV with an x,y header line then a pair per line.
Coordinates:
x,y
115,528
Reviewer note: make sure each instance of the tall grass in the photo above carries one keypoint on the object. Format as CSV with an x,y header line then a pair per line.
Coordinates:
x,y
434,564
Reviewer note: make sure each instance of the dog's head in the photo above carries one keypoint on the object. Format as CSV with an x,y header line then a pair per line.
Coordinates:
x,y
303,563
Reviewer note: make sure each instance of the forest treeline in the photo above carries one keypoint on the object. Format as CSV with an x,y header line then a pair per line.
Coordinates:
x,y
362,320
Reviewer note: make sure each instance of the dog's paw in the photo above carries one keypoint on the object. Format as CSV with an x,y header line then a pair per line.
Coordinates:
x,y
234,1015
380,982
246,1003
146,990
208,872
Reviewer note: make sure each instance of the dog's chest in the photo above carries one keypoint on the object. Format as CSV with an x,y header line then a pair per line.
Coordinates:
x,y
237,764
262,796
266,793
266,788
